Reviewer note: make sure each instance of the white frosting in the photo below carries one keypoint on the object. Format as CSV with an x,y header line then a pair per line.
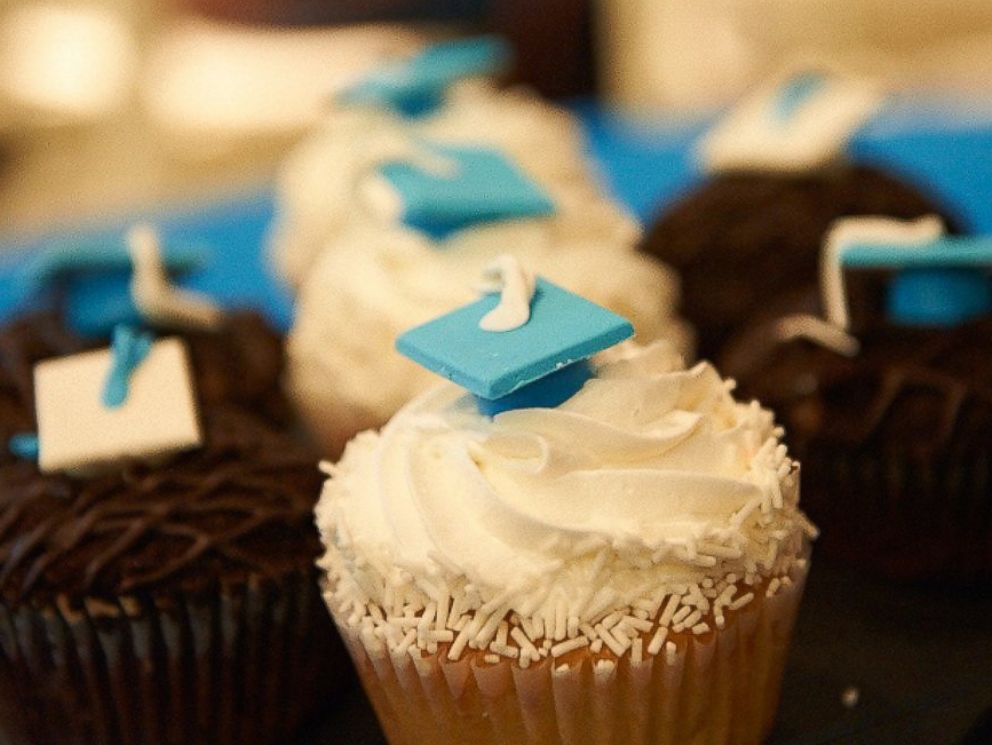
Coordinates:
x,y
516,286
750,138
342,368
652,474
328,183
851,230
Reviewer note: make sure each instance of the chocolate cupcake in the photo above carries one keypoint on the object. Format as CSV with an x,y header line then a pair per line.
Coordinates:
x,y
895,430
747,240
167,594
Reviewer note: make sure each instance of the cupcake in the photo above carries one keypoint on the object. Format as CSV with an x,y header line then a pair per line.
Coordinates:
x,y
156,538
887,401
316,196
748,238
562,547
397,274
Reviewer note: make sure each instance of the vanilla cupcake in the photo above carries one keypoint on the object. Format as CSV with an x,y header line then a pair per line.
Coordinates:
x,y
316,196
622,565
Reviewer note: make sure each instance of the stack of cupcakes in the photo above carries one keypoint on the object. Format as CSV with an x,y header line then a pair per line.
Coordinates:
x,y
156,538
418,182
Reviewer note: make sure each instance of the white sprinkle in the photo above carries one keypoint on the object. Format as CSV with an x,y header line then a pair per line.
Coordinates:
x,y
426,620
402,621
441,636
441,620
700,628
689,621
617,646
526,647
596,647
850,697
773,587
486,633
432,647
669,612
641,614
462,622
562,670
561,621
569,646
501,634
682,613
492,659
573,627
456,649
670,652
404,645
659,638
524,661
376,614
742,601
588,630
605,667
504,650
638,623
611,620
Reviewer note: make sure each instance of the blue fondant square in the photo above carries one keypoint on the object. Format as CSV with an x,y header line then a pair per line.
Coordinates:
x,y
483,186
563,328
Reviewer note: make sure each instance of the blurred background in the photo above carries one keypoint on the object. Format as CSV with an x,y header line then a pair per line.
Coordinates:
x,y
111,105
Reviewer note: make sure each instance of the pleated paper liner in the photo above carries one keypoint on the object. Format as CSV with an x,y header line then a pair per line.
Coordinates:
x,y
243,666
719,688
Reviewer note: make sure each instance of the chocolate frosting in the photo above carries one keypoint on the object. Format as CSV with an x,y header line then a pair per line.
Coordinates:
x,y
895,443
747,244
240,506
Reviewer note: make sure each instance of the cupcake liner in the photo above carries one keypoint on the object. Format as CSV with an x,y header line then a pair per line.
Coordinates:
x,y
721,687
242,666
913,518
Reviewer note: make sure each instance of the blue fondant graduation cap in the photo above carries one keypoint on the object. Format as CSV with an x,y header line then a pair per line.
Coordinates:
x,y
96,279
542,363
417,85
943,282
481,185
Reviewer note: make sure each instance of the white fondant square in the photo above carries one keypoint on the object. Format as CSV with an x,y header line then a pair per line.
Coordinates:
x,y
76,432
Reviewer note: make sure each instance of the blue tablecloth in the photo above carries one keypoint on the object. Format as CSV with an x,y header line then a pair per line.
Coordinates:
x,y
944,146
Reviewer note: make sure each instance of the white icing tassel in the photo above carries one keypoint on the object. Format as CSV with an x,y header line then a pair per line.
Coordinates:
x,y
156,299
849,231
516,286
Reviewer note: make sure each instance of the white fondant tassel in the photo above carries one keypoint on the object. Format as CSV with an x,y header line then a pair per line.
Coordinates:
x,y
155,297
516,286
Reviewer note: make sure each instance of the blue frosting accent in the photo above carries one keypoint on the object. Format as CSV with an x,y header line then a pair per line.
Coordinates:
x,y
563,329
416,86
129,349
943,283
545,393
485,186
96,304
796,93
24,446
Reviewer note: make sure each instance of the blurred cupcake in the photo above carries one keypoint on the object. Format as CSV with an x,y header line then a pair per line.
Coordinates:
x,y
156,539
425,239
571,550
436,97
887,401
747,240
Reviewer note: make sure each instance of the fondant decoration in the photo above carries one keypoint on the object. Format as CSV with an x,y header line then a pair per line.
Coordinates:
x,y
477,185
159,301
798,122
417,85
24,446
541,363
816,330
940,280
516,286
79,434
128,350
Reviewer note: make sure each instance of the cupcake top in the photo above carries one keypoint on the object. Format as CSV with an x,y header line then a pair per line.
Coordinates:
x,y
398,276
649,483
319,192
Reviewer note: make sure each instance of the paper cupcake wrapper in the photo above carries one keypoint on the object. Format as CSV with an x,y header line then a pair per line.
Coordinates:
x,y
243,666
721,688
903,517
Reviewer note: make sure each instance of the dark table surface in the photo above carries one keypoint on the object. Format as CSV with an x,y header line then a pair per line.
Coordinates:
x,y
920,659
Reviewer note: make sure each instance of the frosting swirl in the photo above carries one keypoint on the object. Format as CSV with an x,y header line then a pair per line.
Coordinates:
x,y
652,473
